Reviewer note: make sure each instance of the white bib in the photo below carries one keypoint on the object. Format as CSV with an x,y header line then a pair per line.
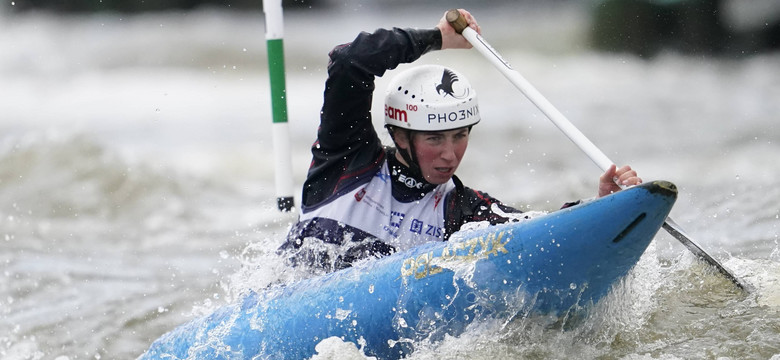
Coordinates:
x,y
372,208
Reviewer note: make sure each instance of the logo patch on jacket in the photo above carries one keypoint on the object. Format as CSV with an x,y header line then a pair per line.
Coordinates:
x,y
410,182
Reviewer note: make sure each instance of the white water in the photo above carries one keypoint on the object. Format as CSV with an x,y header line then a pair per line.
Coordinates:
x,y
136,184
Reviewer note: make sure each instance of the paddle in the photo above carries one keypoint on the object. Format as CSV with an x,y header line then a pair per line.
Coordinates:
x,y
460,25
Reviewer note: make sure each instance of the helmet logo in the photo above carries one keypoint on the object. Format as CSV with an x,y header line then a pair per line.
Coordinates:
x,y
448,78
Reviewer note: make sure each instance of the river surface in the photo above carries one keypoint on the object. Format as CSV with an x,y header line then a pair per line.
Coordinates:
x,y
136,176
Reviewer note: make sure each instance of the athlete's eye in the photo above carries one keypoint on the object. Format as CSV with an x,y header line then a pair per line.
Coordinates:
x,y
434,138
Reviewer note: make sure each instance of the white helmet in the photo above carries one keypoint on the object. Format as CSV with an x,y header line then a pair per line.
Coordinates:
x,y
431,98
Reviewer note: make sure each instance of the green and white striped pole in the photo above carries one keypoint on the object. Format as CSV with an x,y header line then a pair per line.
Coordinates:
x,y
274,33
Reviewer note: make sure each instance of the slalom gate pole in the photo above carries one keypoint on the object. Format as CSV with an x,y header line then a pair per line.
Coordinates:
x,y
274,33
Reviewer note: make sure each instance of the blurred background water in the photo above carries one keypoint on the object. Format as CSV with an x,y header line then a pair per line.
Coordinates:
x,y
136,177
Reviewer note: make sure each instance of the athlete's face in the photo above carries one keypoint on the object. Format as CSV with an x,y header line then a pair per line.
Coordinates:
x,y
439,153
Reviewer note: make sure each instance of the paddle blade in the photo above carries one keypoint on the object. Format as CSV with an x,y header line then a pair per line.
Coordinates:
x,y
675,230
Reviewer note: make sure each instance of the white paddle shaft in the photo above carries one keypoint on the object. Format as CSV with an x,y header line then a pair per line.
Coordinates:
x,y
574,134
460,25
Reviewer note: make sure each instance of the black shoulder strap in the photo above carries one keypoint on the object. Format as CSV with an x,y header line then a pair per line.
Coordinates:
x,y
461,198
457,209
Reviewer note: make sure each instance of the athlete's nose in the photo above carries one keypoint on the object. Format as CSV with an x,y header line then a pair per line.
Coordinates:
x,y
448,150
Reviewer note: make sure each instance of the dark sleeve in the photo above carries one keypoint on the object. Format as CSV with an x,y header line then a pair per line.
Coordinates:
x,y
466,205
347,145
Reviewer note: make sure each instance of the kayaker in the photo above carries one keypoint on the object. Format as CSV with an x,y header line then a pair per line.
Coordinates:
x,y
362,199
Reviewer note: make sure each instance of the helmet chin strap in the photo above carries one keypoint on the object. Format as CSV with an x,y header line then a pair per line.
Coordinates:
x,y
409,154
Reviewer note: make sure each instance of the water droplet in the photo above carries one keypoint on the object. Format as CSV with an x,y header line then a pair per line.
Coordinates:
x,y
572,286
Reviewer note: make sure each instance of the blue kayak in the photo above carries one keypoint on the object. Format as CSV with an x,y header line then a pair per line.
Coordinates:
x,y
554,264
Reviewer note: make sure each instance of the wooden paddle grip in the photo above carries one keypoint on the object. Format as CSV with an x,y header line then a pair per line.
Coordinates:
x,y
456,20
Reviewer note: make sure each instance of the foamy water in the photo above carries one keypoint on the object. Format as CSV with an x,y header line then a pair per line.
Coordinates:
x,y
136,177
